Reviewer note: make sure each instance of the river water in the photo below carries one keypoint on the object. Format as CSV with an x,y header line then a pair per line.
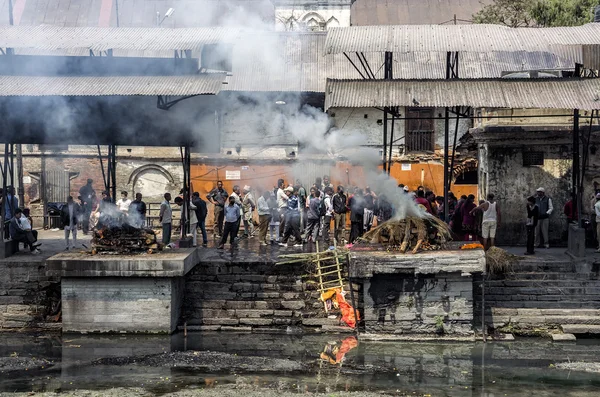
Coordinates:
x,y
305,363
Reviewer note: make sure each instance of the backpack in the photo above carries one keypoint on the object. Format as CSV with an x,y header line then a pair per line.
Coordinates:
x,y
322,208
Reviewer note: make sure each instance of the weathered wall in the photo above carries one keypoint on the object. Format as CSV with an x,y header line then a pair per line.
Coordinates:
x,y
252,296
401,303
149,170
126,304
503,174
26,293
369,123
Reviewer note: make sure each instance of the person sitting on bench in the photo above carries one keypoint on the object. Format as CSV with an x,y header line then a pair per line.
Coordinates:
x,y
21,232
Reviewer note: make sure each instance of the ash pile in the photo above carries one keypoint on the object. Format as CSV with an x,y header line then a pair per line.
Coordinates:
x,y
415,234
124,239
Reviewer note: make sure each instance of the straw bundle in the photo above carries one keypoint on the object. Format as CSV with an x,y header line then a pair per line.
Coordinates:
x,y
499,261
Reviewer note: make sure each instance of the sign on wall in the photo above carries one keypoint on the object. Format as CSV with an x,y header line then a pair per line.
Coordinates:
x,y
406,167
233,175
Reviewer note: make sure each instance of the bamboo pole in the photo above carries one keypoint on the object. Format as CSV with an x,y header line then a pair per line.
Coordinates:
x,y
339,271
319,273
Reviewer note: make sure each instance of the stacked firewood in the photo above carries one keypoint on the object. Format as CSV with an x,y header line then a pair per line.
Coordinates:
x,y
124,239
417,234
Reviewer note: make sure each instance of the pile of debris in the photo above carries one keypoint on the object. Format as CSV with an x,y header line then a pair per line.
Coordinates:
x,y
124,239
420,234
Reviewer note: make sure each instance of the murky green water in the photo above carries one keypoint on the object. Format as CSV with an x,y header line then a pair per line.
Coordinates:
x,y
332,363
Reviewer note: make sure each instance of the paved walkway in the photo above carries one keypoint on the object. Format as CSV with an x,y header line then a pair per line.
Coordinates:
x,y
53,243
552,253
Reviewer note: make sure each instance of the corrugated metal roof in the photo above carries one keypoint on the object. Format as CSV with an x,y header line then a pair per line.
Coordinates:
x,y
101,39
499,93
200,84
295,62
442,38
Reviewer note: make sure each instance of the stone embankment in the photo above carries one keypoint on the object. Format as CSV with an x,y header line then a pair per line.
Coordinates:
x,y
543,296
259,297
27,294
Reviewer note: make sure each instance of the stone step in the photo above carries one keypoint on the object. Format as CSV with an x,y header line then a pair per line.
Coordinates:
x,y
537,266
533,292
498,321
499,311
581,329
534,304
544,283
551,276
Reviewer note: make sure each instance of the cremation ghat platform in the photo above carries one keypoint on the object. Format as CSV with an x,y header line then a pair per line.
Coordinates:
x,y
425,293
122,293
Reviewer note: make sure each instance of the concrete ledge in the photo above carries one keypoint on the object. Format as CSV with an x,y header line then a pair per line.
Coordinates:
x,y
174,263
563,338
363,264
416,338
580,329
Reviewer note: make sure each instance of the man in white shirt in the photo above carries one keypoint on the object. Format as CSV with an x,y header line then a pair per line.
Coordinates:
x,y
328,214
166,217
124,203
282,199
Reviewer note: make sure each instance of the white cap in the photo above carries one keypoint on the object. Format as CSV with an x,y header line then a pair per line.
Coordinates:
x,y
246,188
406,189
289,189
540,189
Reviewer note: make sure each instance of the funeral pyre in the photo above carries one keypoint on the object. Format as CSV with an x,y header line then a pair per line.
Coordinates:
x,y
124,239
418,234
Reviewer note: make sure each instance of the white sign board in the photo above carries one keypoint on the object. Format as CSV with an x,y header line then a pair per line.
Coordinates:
x,y
406,167
245,167
26,179
233,175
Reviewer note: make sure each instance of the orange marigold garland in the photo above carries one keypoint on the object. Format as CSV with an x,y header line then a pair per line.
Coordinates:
x,y
472,246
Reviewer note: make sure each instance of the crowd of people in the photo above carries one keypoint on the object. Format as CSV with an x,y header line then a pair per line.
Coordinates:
x,y
290,213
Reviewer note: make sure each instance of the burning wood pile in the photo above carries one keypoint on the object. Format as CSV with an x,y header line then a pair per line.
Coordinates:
x,y
419,234
124,239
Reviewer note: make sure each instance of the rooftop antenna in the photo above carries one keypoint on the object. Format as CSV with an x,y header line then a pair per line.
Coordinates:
x,y
167,14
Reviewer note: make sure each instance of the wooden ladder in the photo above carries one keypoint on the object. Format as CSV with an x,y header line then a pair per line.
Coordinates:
x,y
329,276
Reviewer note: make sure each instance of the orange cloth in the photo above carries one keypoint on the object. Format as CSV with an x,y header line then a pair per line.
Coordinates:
x,y
346,309
347,344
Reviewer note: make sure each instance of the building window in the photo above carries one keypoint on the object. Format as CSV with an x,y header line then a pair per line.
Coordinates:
x,y
420,134
533,158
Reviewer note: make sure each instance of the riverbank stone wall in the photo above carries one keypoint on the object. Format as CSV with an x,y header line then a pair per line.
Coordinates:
x,y
426,293
254,297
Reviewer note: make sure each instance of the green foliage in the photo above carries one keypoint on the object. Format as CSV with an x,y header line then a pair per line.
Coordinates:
x,y
540,13
439,324
512,13
410,302
548,13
